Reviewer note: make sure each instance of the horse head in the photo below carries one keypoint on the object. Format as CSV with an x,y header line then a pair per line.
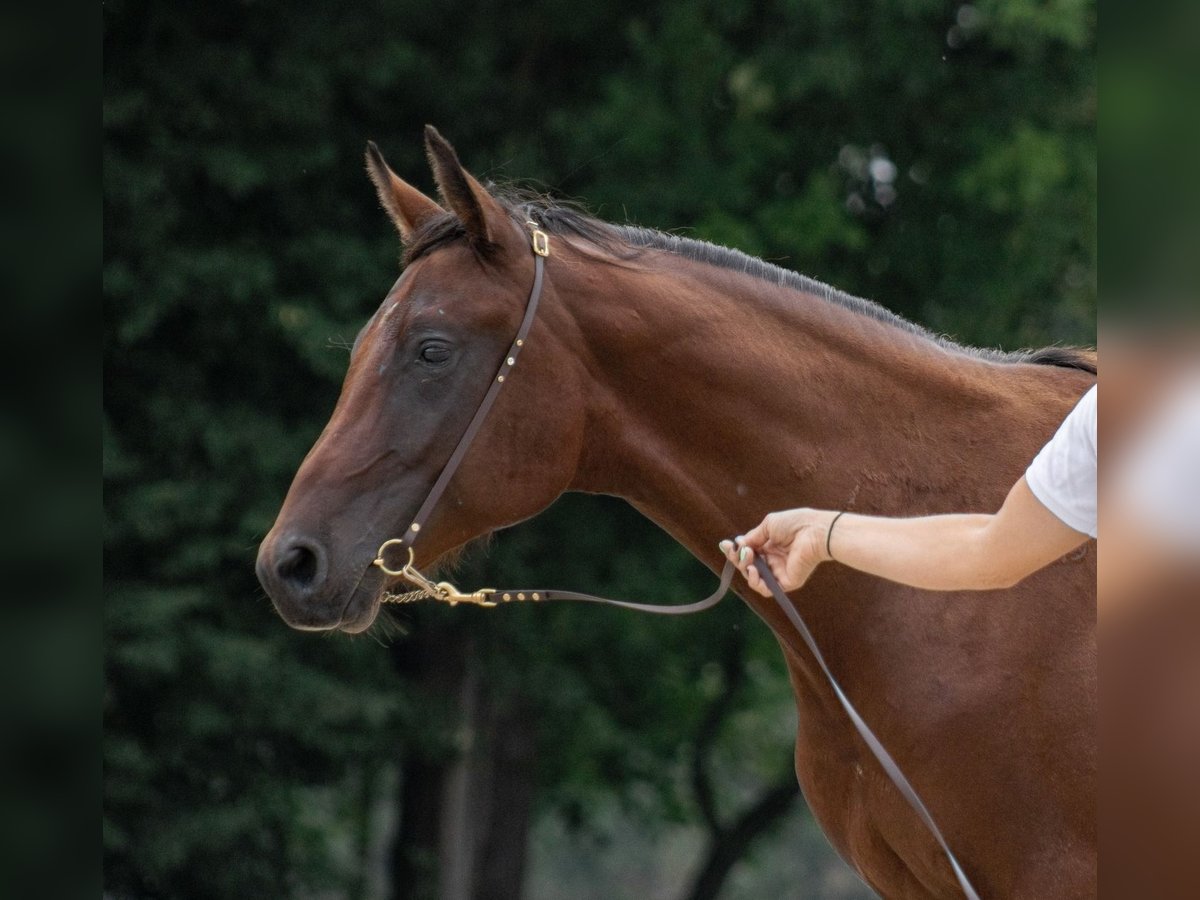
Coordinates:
x,y
418,371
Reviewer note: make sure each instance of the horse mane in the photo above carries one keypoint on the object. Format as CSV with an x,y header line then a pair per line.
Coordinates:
x,y
625,242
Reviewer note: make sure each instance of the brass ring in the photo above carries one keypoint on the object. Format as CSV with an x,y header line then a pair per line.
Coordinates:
x,y
379,560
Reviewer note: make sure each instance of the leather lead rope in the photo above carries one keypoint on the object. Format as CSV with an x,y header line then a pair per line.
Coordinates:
x,y
446,593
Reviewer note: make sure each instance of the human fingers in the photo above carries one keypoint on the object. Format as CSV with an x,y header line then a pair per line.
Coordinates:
x,y
745,560
758,536
756,582
745,564
735,554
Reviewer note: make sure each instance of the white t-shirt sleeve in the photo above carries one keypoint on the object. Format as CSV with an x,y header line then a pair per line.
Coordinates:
x,y
1063,474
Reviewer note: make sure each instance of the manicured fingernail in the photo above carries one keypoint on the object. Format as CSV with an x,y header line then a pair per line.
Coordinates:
x,y
742,554
725,546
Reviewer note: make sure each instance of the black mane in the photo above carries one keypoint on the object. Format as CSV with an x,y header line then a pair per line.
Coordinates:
x,y
626,241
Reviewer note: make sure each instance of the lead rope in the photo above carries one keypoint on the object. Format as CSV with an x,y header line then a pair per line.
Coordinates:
x,y
444,592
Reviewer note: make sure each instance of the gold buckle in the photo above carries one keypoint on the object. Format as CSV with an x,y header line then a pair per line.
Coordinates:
x,y
448,593
541,241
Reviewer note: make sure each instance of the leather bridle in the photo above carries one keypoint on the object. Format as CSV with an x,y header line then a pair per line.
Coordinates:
x,y
445,592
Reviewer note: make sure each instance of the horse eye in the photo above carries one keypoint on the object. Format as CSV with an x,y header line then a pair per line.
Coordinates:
x,y
435,354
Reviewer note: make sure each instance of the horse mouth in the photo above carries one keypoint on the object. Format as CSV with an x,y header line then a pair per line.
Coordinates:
x,y
364,604
354,616
361,609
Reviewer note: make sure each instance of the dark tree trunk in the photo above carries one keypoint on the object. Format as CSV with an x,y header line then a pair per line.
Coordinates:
x,y
730,844
415,853
465,795
500,869
358,888
729,841
433,663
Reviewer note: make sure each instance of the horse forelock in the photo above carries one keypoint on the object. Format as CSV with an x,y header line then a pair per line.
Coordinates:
x,y
434,232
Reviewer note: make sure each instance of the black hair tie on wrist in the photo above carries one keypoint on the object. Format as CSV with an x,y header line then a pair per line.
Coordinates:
x,y
829,535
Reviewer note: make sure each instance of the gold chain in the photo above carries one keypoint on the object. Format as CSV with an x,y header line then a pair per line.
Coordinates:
x,y
406,597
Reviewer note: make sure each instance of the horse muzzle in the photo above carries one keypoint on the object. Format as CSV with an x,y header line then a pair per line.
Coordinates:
x,y
295,571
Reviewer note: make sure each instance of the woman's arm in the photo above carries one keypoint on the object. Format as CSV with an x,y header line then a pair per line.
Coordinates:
x,y
943,553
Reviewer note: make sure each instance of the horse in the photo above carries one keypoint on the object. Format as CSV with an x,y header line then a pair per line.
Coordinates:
x,y
707,388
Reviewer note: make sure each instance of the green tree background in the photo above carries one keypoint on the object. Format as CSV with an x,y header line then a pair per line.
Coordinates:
x,y
939,158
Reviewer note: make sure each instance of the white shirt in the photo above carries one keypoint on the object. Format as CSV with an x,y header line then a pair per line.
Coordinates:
x,y
1063,474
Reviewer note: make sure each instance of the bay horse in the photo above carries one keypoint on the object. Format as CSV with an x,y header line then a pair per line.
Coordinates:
x,y
708,388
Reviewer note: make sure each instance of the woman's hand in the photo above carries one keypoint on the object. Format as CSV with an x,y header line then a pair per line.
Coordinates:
x,y
792,542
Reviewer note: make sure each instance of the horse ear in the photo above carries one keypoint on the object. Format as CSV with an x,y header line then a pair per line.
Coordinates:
x,y
407,206
481,215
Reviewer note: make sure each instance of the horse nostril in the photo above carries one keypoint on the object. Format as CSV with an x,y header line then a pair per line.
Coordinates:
x,y
300,564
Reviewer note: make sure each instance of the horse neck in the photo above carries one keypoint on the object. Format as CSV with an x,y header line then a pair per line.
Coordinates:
x,y
716,396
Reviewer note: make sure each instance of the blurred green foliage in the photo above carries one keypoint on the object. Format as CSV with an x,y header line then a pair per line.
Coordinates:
x,y
939,158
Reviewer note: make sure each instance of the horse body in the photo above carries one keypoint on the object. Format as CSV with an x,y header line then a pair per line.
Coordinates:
x,y
708,396
762,398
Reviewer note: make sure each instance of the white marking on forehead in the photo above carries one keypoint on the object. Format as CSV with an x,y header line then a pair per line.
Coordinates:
x,y
395,287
